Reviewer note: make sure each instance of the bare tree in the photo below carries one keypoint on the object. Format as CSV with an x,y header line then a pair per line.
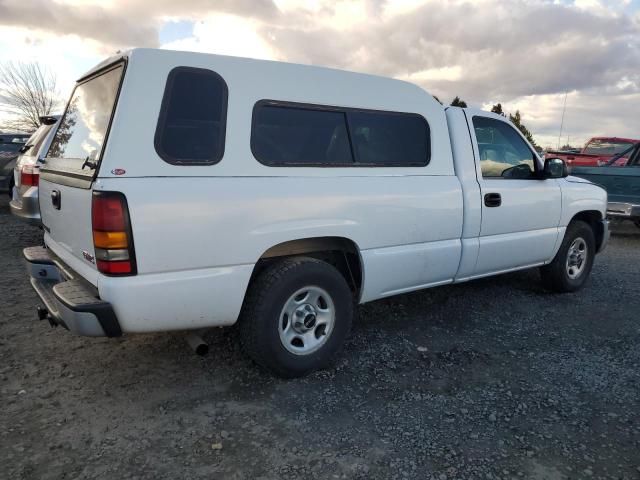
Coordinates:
x,y
27,92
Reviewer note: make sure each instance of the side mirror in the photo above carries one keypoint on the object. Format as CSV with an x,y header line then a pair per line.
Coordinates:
x,y
555,168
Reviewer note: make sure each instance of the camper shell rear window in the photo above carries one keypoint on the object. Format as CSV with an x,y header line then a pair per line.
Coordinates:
x,y
80,138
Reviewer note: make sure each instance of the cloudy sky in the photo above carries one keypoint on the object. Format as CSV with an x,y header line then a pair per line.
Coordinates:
x,y
525,54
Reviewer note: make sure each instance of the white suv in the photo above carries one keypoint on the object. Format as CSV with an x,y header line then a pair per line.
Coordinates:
x,y
186,191
24,195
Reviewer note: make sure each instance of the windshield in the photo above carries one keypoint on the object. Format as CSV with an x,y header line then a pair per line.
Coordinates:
x,y
8,151
83,128
35,141
606,147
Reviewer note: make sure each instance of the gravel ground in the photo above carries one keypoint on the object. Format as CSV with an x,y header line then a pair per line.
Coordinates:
x,y
490,379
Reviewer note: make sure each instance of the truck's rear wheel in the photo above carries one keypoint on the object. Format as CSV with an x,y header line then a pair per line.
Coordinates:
x,y
296,316
572,264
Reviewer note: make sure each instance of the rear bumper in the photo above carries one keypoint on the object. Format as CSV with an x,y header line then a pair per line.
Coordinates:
x,y
623,210
70,301
27,206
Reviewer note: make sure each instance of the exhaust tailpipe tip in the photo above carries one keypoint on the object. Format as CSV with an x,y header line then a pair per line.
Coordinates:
x,y
197,344
43,313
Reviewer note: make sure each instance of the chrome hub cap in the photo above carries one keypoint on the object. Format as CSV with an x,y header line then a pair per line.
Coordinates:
x,y
306,321
576,258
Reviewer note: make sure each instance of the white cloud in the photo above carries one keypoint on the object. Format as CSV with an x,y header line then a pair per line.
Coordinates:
x,y
225,34
66,55
448,74
522,53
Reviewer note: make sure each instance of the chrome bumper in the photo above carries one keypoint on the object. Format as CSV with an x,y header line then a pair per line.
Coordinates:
x,y
623,210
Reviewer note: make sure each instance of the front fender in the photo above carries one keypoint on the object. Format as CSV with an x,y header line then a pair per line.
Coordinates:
x,y
579,195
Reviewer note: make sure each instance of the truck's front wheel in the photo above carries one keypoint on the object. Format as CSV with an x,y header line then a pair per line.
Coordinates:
x,y
572,264
296,316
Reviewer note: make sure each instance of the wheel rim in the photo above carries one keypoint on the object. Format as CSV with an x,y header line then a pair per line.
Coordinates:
x,y
307,320
577,258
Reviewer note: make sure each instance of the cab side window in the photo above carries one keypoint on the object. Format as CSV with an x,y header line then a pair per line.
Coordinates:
x,y
503,152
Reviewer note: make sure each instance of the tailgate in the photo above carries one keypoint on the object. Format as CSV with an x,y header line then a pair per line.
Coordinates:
x,y
71,165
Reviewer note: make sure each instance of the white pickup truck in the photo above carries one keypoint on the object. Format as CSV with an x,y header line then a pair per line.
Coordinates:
x,y
184,191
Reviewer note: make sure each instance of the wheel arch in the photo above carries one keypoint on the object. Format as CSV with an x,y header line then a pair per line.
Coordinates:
x,y
594,219
341,252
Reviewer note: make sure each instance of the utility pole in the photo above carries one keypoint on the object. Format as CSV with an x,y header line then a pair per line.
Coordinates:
x,y
562,121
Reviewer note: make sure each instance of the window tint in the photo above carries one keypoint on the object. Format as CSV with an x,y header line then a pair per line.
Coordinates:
x,y
8,152
389,139
83,128
296,136
503,153
191,127
302,135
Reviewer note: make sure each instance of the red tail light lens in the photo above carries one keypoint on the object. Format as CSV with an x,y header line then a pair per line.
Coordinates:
x,y
30,176
112,239
108,212
114,268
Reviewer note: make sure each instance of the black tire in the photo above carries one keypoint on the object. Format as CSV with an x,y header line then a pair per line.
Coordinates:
x,y
262,315
556,275
637,223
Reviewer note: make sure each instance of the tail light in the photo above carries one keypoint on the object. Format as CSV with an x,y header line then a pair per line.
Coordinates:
x,y
112,239
30,175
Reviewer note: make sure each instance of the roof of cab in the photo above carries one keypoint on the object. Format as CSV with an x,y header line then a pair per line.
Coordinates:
x,y
178,57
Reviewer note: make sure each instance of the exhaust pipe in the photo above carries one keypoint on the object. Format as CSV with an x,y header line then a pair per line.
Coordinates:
x,y
43,314
197,344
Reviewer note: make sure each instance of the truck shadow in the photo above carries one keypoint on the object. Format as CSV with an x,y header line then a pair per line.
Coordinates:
x,y
624,229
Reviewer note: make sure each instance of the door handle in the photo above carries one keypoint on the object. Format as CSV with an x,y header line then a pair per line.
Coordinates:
x,y
493,200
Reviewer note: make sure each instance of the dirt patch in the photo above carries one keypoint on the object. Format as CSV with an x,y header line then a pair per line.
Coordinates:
x,y
490,379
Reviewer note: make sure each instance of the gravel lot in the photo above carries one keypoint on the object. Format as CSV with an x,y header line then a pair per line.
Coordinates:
x,y
490,379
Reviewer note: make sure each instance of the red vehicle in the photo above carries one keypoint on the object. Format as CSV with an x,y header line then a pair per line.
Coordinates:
x,y
597,152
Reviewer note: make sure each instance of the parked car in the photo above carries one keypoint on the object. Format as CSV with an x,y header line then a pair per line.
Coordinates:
x,y
622,183
178,193
596,152
26,173
19,138
10,145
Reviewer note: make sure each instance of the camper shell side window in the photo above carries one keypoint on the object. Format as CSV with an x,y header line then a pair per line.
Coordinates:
x,y
302,135
192,123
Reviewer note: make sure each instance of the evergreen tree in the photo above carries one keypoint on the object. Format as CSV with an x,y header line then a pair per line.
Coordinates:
x,y
458,103
497,108
517,121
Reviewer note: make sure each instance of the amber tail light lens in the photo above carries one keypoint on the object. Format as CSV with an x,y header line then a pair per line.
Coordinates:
x,y
112,238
